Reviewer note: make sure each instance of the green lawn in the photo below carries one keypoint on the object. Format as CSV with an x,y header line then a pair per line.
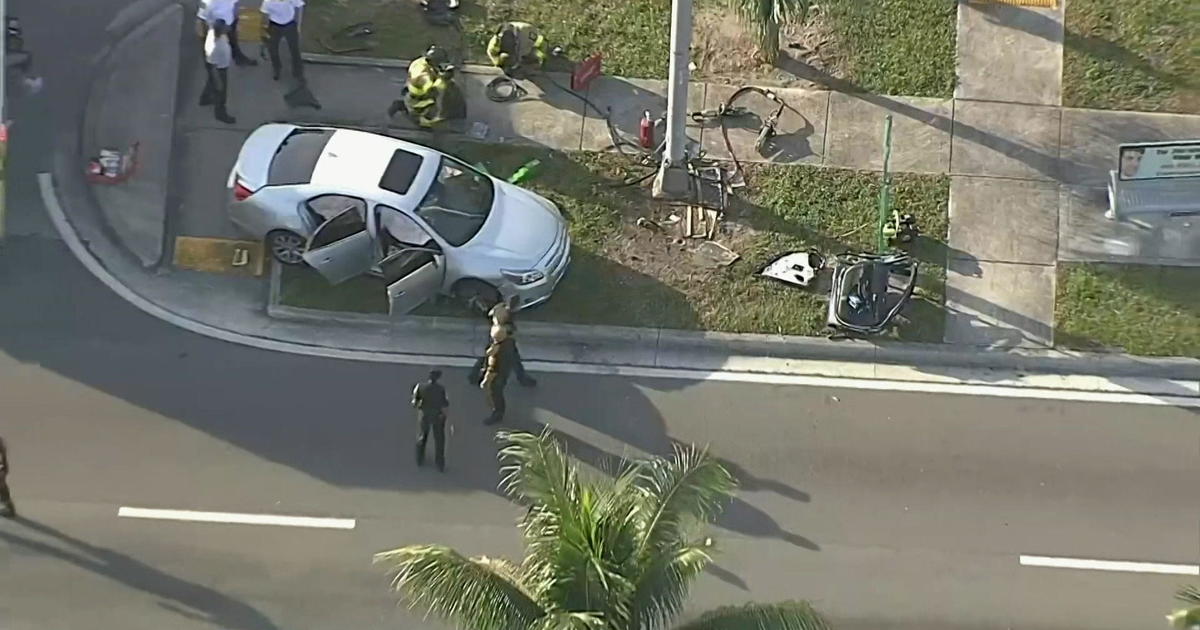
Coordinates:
x,y
301,286
625,275
633,35
1132,54
1141,309
902,47
889,46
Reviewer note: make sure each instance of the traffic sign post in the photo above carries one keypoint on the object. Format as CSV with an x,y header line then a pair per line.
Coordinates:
x,y
885,191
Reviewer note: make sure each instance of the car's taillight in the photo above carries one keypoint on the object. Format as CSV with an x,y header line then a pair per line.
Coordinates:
x,y
241,192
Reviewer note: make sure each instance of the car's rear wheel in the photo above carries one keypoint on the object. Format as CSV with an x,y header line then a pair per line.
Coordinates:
x,y
286,247
476,294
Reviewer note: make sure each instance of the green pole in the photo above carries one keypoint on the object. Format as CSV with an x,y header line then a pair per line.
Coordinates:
x,y
885,191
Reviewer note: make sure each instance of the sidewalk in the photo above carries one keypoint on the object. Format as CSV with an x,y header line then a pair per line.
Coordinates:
x,y
968,139
1038,196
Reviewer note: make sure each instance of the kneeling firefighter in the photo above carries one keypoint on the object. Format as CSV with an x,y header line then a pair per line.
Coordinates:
x,y
515,44
430,85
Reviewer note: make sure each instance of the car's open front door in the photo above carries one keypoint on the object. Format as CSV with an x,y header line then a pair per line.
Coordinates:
x,y
413,276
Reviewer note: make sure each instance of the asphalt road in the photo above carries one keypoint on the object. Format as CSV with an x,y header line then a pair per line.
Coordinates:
x,y
887,510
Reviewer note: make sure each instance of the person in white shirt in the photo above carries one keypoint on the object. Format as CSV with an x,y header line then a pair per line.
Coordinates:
x,y
218,54
283,23
226,11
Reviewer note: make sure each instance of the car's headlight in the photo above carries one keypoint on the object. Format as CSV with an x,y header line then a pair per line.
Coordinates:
x,y
528,276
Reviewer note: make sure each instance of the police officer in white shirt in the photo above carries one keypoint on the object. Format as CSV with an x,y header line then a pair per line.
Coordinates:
x,y
226,11
218,55
283,23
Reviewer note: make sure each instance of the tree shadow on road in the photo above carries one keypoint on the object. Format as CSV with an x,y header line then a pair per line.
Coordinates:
x,y
178,595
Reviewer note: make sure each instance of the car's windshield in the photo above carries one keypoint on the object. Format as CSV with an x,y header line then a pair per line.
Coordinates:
x,y
458,202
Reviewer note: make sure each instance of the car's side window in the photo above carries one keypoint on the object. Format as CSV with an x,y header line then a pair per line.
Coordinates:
x,y
326,207
398,230
348,223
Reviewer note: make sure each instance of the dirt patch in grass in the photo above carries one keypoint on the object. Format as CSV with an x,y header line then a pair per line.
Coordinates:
x,y
624,274
1142,309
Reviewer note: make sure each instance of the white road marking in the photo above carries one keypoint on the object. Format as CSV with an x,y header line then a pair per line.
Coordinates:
x,y
77,247
237,518
1109,565
862,383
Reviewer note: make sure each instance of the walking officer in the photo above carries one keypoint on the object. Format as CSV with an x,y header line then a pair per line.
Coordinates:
x,y
10,510
283,23
226,11
216,61
429,398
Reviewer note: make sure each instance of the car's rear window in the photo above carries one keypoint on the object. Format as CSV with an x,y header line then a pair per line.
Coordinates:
x,y
296,158
401,171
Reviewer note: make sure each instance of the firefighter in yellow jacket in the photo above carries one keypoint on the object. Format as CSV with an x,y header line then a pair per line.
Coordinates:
x,y
515,44
429,78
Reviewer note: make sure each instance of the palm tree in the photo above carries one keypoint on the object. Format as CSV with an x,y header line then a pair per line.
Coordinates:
x,y
1187,618
765,17
604,554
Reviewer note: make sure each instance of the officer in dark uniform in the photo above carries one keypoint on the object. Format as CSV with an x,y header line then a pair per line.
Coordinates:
x,y
10,510
429,398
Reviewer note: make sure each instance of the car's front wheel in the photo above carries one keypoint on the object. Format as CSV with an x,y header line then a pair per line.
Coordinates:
x,y
286,247
476,294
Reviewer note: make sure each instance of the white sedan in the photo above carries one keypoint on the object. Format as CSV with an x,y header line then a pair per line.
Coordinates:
x,y
349,202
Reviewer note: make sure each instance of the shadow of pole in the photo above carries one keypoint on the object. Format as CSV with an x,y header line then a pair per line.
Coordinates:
x,y
1048,165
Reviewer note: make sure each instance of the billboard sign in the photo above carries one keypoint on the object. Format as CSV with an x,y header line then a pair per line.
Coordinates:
x,y
1158,160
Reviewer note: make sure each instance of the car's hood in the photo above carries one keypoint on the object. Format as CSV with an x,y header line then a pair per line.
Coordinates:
x,y
522,226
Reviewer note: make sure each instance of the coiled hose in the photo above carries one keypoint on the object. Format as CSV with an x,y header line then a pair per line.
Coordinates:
x,y
728,107
504,89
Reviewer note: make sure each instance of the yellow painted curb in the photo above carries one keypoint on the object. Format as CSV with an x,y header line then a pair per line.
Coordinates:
x,y
250,24
219,255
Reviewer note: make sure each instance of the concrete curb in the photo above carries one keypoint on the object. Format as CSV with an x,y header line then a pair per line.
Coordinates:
x,y
751,353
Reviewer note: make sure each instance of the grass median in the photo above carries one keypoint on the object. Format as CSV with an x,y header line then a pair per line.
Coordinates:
x,y
1136,55
883,46
627,275
1141,309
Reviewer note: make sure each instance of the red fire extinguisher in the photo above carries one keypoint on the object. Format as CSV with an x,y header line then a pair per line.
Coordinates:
x,y
646,131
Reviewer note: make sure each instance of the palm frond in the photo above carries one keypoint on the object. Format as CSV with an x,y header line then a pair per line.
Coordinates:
x,y
586,559
688,489
536,469
662,588
1186,618
792,615
569,621
475,593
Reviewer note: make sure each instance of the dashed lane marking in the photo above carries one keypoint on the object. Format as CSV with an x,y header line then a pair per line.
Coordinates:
x,y
236,518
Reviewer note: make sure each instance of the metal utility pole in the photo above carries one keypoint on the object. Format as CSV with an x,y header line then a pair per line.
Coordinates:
x,y
672,179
